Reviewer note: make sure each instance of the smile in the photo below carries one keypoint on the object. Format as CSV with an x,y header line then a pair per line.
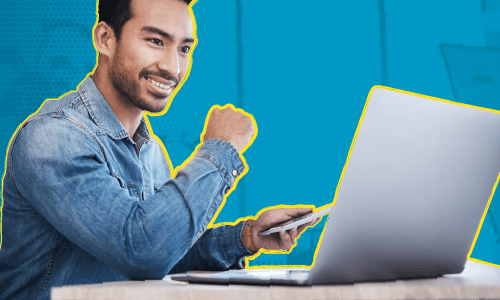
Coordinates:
x,y
160,85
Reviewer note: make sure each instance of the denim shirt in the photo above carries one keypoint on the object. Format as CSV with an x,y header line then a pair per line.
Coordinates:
x,y
84,203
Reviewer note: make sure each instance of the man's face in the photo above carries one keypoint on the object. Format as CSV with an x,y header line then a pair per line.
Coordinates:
x,y
151,56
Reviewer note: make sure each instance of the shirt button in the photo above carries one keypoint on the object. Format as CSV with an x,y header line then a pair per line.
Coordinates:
x,y
235,173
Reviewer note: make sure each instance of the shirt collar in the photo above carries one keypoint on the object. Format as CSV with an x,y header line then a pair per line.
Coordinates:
x,y
102,114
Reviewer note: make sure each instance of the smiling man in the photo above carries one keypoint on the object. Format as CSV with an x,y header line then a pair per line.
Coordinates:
x,y
88,196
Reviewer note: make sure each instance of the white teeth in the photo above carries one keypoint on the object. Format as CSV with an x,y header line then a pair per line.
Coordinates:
x,y
159,84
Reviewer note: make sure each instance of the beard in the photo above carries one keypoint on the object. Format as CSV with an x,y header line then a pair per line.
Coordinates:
x,y
123,81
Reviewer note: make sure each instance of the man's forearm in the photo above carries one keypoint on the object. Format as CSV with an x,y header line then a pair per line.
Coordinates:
x,y
219,248
72,188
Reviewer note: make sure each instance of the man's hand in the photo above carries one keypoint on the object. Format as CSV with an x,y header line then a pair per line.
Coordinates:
x,y
230,125
283,240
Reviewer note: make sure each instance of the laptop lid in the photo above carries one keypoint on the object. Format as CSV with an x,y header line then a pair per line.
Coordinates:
x,y
418,178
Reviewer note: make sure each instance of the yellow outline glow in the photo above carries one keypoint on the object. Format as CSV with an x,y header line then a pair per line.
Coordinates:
x,y
173,171
145,114
354,140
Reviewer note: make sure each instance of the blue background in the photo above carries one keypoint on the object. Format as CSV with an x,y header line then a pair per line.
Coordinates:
x,y
303,69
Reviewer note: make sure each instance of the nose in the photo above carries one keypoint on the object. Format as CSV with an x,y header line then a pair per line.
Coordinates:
x,y
170,61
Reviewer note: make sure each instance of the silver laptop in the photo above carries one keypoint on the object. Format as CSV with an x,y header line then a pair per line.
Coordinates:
x,y
418,178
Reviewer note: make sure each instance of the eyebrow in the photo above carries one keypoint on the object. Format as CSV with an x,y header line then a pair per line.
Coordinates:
x,y
167,35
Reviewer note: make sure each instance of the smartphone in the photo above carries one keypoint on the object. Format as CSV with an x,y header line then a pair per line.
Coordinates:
x,y
295,222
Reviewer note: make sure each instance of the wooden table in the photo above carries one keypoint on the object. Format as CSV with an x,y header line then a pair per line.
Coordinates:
x,y
476,281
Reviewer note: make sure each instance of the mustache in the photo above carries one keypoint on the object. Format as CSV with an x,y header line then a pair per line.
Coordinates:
x,y
164,75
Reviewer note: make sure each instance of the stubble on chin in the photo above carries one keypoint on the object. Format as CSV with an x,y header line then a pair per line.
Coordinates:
x,y
130,89
160,101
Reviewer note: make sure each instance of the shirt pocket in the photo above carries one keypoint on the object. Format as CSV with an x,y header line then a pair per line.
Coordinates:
x,y
126,184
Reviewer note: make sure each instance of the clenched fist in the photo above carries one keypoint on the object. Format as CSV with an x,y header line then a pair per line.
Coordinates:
x,y
230,125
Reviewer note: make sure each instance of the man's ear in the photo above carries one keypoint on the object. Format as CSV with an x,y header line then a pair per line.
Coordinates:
x,y
105,40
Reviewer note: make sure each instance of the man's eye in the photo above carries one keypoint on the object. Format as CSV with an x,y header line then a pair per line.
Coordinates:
x,y
156,41
185,49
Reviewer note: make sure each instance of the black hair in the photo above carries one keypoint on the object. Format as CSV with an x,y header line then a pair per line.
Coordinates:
x,y
117,12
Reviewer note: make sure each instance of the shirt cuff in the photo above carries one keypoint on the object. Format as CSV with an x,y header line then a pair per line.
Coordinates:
x,y
224,156
235,245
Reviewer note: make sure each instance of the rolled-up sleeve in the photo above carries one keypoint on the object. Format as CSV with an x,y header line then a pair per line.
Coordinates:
x,y
60,168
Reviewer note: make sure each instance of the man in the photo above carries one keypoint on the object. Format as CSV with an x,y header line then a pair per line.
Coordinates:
x,y
88,194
